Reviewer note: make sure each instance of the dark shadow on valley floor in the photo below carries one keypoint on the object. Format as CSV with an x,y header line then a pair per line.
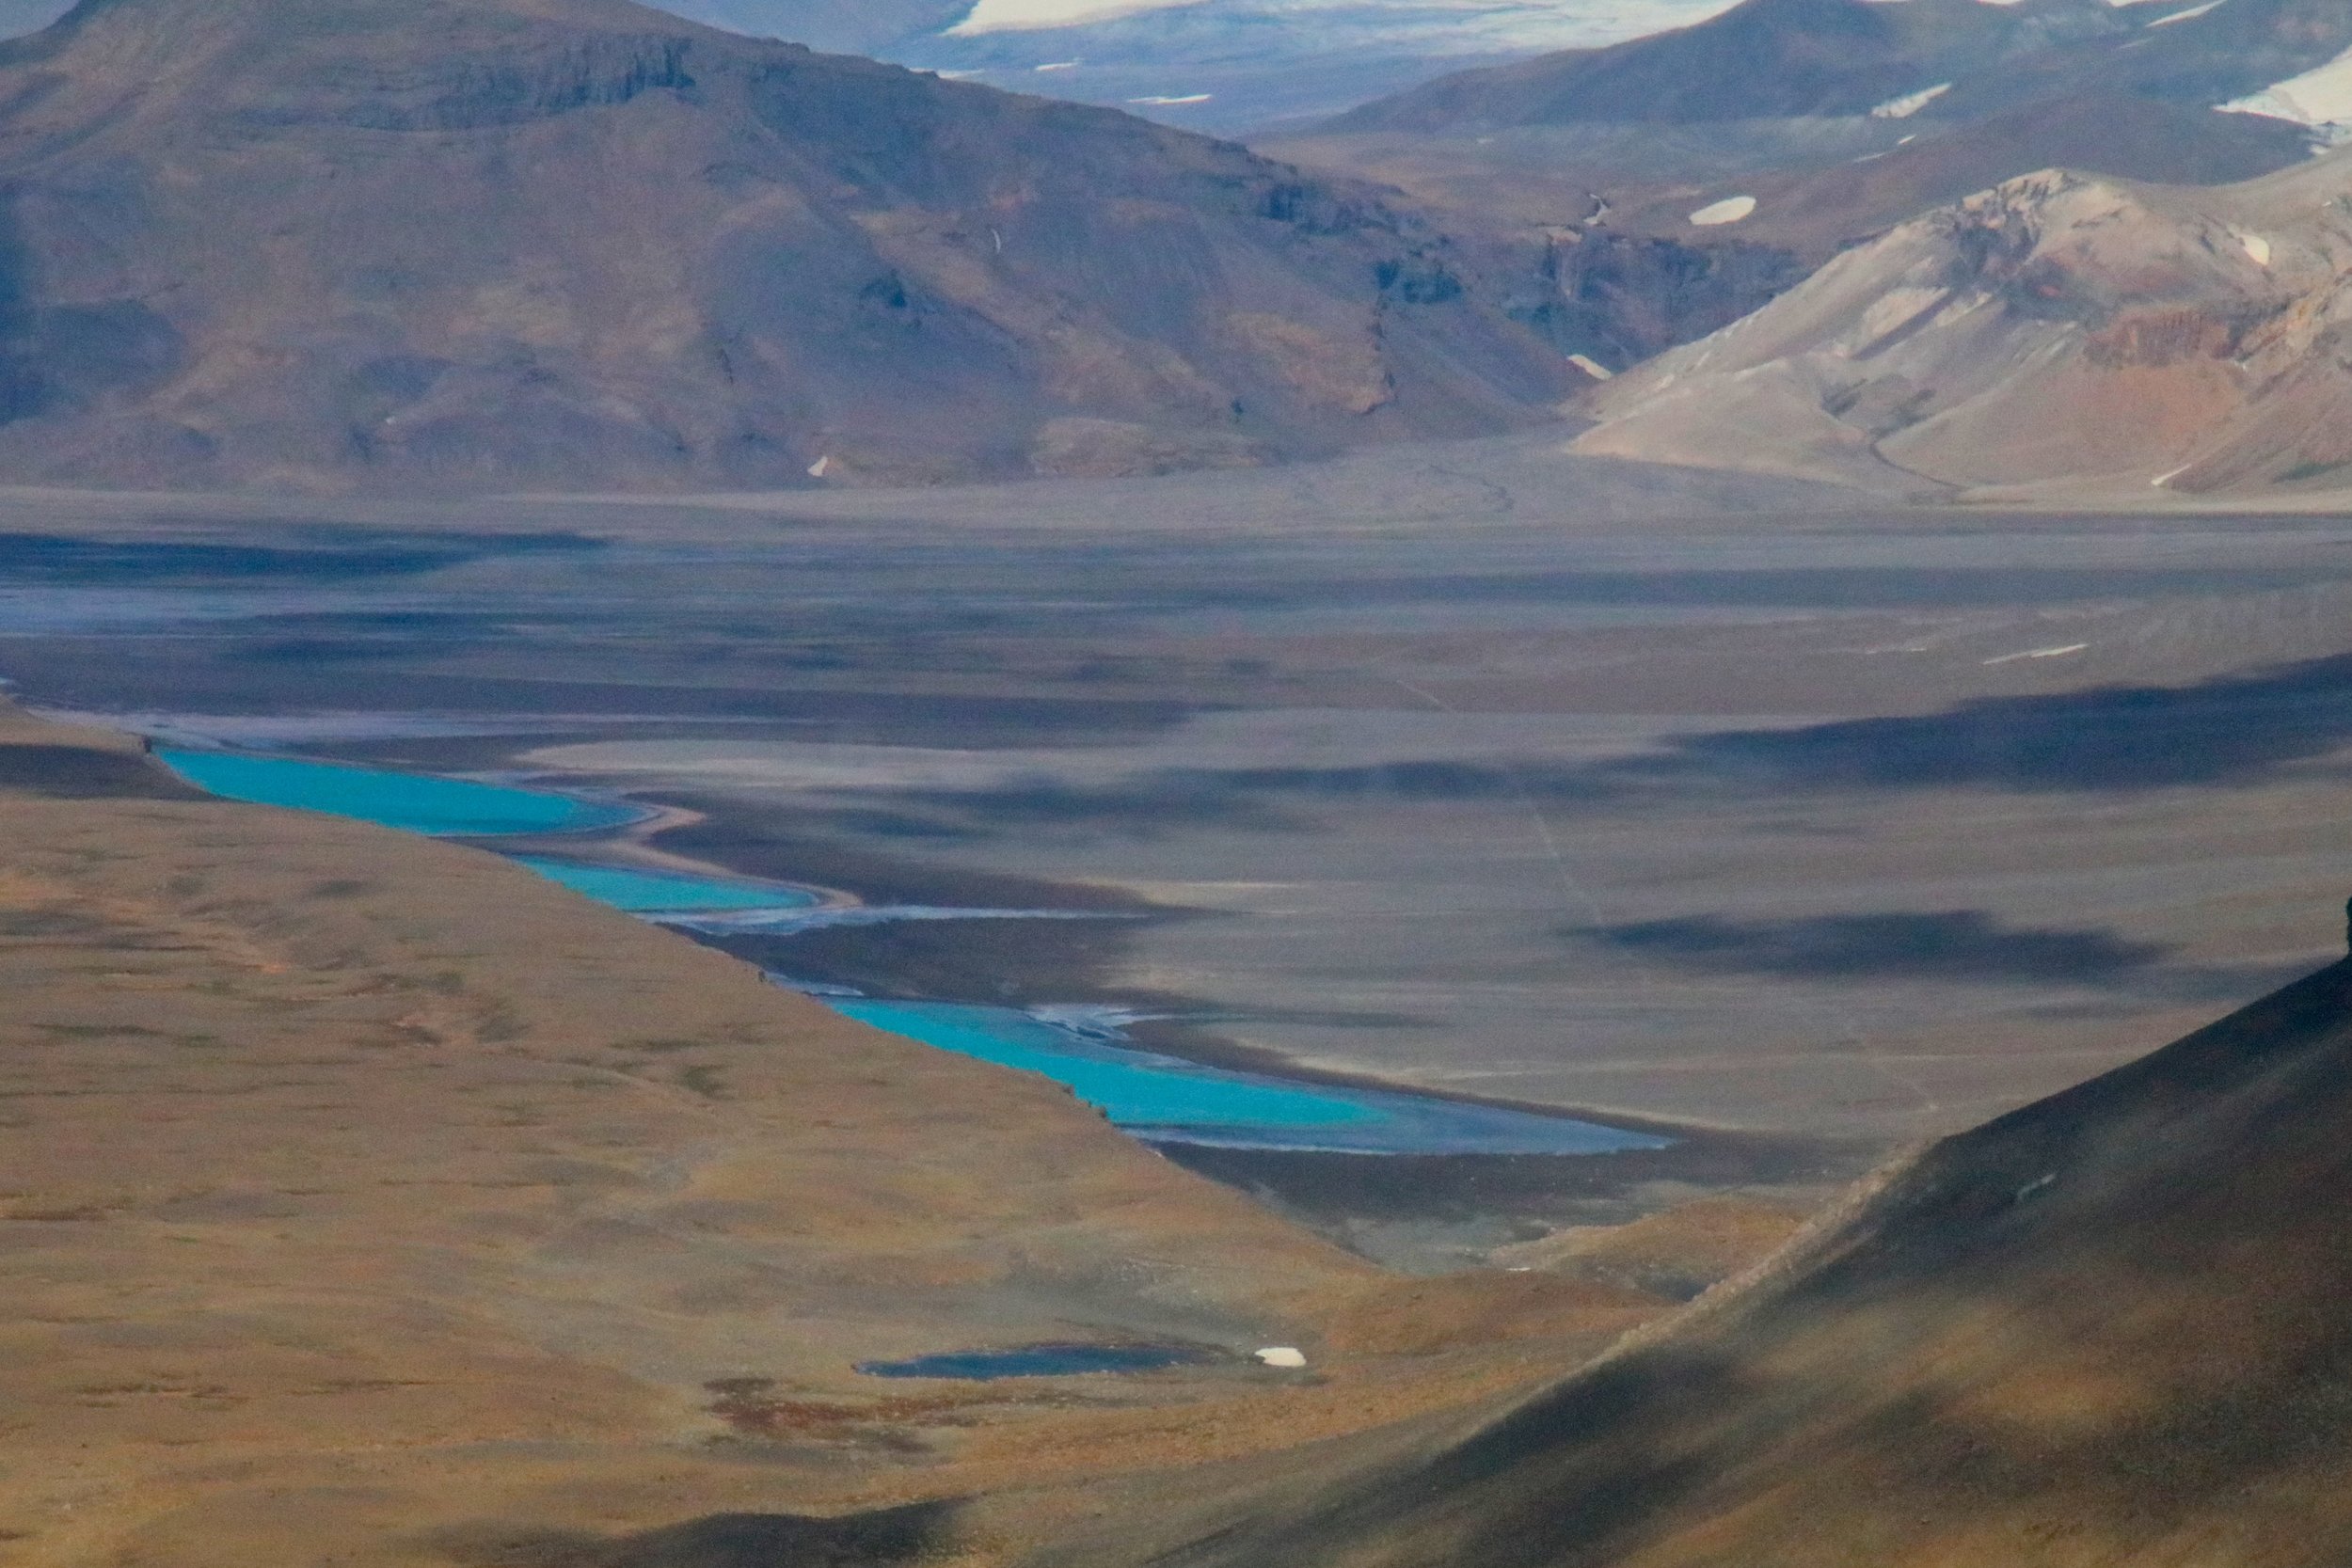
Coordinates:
x,y
1960,947
2239,731
1850,588
1952,945
295,553
2233,731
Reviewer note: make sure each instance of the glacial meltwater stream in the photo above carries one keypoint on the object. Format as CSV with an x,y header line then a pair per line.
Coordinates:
x,y
1153,1096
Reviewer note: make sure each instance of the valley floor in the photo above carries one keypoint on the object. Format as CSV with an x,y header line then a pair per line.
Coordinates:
x,y
377,1191
1637,792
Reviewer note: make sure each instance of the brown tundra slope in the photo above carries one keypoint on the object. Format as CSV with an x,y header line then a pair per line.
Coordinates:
x,y
2057,330
581,245
2113,1328
370,1201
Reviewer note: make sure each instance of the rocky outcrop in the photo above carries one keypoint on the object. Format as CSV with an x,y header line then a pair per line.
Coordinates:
x,y
2057,329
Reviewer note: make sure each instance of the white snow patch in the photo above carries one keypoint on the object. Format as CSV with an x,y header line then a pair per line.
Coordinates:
x,y
1317,34
1015,16
1910,102
819,468
1162,100
1591,367
2256,247
2189,14
1731,209
1057,65
1281,1355
2039,653
2321,97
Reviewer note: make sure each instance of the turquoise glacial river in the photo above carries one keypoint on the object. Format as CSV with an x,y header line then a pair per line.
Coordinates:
x,y
1154,1097
414,803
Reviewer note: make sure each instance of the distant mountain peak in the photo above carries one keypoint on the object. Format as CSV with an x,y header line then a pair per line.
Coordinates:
x,y
2055,330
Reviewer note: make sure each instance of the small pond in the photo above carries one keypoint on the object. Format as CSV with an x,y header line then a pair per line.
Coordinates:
x,y
986,1366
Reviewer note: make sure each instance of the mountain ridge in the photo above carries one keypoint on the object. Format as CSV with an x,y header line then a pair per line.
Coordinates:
x,y
1930,60
1228,66
582,244
1750,149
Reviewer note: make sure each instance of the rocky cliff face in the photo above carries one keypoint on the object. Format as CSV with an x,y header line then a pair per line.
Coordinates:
x,y
2055,329
467,244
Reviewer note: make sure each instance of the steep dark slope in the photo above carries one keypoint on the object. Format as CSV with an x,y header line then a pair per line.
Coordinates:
x,y
2174,51
1216,65
843,27
1762,59
2114,134
1783,59
2112,1328
574,243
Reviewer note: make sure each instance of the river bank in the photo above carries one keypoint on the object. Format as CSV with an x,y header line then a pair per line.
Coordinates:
x,y
1742,823
1520,1161
317,1130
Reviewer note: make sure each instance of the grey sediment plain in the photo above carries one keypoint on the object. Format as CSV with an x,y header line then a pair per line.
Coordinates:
x,y
1481,768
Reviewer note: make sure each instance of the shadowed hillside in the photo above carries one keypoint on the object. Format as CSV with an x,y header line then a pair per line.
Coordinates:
x,y
576,244
2109,1328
